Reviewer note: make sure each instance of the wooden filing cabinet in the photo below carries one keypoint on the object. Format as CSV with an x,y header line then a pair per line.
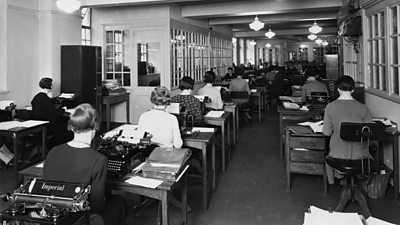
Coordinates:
x,y
310,161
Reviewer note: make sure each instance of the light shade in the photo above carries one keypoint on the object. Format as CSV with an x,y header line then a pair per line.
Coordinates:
x,y
269,34
68,6
252,42
318,41
303,46
268,45
180,37
256,24
233,40
312,37
325,43
315,29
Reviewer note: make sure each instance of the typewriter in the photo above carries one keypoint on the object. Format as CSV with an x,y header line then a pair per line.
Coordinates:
x,y
123,156
47,202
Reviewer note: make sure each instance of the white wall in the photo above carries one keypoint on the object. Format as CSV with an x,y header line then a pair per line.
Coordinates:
x,y
35,31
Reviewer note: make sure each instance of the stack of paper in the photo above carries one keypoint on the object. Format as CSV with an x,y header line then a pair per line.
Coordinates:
x,y
290,105
318,216
67,95
127,133
173,108
315,126
7,125
214,114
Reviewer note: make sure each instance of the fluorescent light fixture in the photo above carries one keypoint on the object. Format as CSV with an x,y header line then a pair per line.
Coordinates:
x,y
318,41
256,24
315,29
68,6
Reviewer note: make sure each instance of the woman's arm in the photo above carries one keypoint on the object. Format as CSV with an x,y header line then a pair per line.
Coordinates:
x,y
176,133
98,185
327,129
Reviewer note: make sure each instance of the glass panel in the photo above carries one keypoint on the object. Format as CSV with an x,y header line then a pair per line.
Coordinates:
x,y
382,23
109,51
376,52
395,71
109,76
394,20
370,28
395,50
149,63
371,76
376,28
127,79
383,78
118,76
382,50
109,37
376,75
118,36
370,52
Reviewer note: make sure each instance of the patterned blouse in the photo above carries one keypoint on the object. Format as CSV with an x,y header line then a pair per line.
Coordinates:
x,y
192,105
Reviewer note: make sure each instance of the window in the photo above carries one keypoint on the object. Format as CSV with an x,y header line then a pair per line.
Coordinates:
x,y
86,23
192,54
394,50
376,51
350,60
117,56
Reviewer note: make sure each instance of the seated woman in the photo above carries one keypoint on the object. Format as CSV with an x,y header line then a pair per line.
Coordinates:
x,y
163,126
212,92
344,109
43,108
77,162
185,99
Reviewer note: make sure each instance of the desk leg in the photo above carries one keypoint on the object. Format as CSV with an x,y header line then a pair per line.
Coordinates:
x,y
396,165
237,123
213,164
184,199
164,207
108,114
44,139
127,110
223,146
259,109
234,127
205,178
281,147
229,140
16,156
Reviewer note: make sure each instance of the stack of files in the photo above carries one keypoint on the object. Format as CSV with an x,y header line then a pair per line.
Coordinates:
x,y
317,216
214,114
165,163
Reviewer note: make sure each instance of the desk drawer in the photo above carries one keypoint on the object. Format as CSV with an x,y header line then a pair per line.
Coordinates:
x,y
307,142
307,156
307,168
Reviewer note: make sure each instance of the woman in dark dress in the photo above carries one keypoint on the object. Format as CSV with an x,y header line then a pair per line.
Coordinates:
x,y
43,108
77,162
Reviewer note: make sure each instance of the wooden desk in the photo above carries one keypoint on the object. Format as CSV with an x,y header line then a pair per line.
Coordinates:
x,y
292,117
311,161
222,122
111,100
16,134
260,95
201,141
159,193
235,120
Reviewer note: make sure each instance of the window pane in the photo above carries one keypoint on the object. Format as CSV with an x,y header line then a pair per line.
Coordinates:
x,y
370,52
109,51
376,76
394,51
376,28
370,28
118,76
383,78
371,76
109,37
376,52
109,76
394,20
395,71
109,65
382,50
382,24
127,79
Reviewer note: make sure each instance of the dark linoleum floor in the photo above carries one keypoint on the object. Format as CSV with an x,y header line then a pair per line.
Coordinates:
x,y
252,190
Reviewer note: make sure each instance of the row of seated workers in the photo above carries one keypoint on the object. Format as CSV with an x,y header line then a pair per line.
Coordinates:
x,y
72,157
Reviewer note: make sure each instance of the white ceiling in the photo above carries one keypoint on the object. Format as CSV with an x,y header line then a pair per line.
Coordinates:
x,y
289,19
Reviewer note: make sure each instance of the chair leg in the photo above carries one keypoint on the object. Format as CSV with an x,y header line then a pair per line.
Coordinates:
x,y
361,199
345,196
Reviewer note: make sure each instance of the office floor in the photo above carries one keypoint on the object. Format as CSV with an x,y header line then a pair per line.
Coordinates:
x,y
252,190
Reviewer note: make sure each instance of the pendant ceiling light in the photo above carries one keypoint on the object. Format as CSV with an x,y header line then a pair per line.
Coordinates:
x,y
270,34
268,45
68,6
318,41
252,42
312,37
325,43
315,29
256,24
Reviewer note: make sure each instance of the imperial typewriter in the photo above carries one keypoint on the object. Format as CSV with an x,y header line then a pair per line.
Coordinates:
x,y
47,202
123,156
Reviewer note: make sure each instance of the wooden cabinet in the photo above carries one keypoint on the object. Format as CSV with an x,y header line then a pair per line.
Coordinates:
x,y
305,154
81,72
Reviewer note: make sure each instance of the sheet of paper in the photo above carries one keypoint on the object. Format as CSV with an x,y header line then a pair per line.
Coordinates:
x,y
173,108
215,114
218,87
203,129
70,111
374,221
67,95
128,130
32,123
144,182
290,105
40,165
253,90
9,125
315,126
5,103
200,97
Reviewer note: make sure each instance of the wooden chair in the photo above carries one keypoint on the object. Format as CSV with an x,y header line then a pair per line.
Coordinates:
x,y
242,100
355,169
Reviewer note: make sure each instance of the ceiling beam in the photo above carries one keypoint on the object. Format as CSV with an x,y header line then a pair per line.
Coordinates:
x,y
283,17
242,8
325,30
105,3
